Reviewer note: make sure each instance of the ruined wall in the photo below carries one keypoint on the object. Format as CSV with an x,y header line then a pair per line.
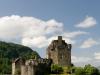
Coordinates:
x,y
16,68
13,68
31,66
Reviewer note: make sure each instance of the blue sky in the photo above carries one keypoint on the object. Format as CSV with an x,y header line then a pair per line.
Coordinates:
x,y
76,20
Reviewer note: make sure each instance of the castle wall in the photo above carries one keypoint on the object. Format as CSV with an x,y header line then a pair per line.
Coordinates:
x,y
60,52
30,70
54,54
13,68
24,70
64,58
16,69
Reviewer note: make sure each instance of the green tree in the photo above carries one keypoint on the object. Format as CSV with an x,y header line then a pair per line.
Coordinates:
x,y
87,70
79,71
90,70
56,69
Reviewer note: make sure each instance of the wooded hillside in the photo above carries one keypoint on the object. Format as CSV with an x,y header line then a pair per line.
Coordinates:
x,y
11,51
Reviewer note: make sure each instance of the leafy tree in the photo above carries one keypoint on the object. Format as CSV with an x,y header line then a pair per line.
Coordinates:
x,y
87,70
90,70
56,69
79,71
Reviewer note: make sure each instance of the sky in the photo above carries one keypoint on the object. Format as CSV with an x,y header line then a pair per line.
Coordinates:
x,y
35,23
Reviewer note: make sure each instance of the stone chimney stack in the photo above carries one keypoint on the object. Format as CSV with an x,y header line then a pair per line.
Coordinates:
x,y
59,40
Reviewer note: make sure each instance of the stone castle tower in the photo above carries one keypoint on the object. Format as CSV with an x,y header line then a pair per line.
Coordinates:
x,y
60,52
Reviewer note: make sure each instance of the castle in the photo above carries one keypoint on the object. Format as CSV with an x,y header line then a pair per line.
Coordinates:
x,y
58,52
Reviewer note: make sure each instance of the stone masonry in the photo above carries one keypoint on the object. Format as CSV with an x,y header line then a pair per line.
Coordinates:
x,y
60,52
30,67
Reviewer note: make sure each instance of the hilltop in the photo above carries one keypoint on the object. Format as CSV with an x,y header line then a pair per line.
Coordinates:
x,y
10,51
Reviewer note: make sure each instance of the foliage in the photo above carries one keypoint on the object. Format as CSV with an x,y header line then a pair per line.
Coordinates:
x,y
87,70
79,71
11,51
56,69
90,70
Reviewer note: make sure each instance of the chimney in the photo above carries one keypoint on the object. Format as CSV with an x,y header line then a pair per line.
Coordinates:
x,y
60,40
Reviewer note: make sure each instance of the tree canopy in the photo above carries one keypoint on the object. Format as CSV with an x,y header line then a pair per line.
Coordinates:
x,y
86,70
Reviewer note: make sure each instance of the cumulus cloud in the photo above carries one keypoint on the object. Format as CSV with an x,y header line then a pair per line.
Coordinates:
x,y
39,42
89,43
76,59
27,28
87,23
33,32
97,55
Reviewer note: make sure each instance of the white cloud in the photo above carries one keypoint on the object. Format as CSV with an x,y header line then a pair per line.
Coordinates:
x,y
74,34
83,60
53,27
87,23
97,55
27,28
76,59
40,41
32,31
89,43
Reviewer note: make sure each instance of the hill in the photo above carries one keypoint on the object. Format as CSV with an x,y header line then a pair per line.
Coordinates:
x,y
11,51
98,68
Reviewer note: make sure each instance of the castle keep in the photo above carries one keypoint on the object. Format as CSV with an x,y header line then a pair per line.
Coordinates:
x,y
60,52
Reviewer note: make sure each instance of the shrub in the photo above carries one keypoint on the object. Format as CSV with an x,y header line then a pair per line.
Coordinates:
x,y
55,69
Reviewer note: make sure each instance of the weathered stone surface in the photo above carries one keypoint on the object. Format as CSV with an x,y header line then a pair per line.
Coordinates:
x,y
60,52
31,66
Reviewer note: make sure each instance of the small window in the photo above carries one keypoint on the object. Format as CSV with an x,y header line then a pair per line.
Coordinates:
x,y
52,49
